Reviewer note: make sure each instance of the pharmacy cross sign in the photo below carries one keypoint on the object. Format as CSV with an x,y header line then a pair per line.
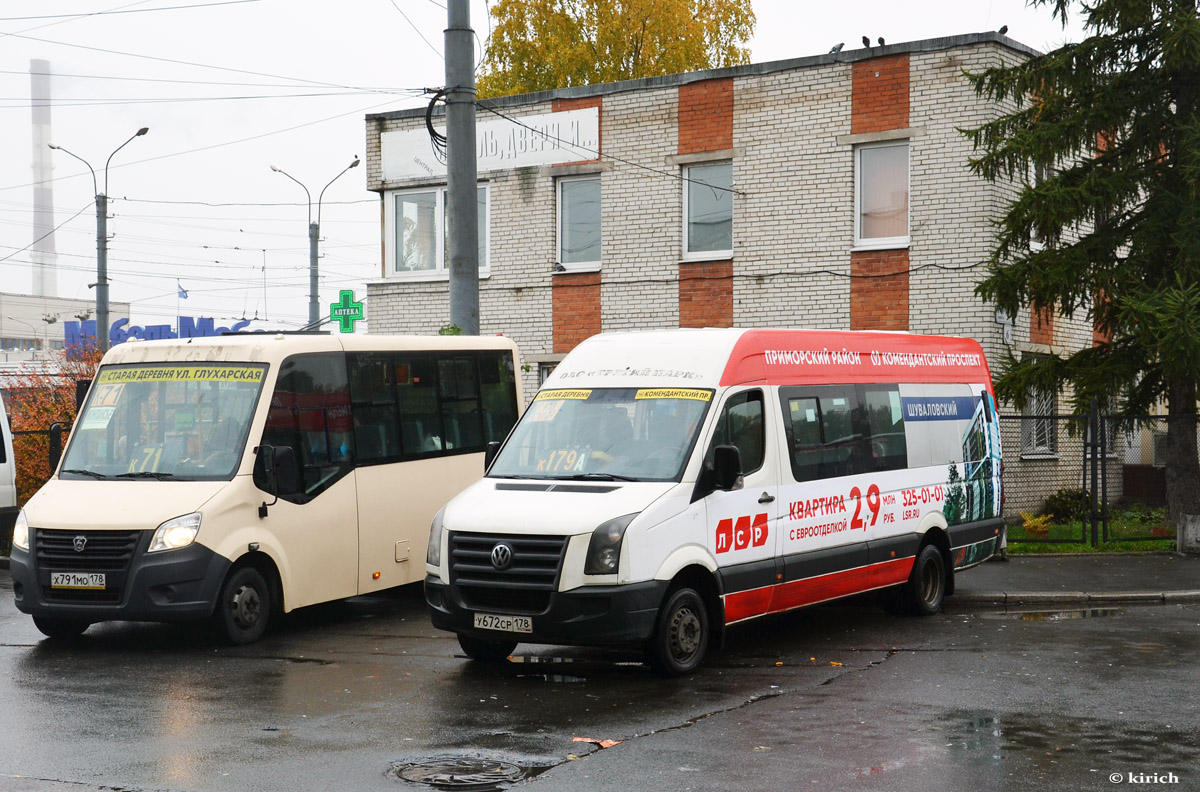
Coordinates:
x,y
346,311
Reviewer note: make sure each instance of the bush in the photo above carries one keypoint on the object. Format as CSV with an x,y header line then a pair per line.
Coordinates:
x,y
1068,505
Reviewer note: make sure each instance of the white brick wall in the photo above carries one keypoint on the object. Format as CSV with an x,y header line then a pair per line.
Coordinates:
x,y
793,214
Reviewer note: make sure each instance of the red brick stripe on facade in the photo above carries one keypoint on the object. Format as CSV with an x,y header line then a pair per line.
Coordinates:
x,y
576,300
1041,324
706,116
879,290
879,94
560,105
706,294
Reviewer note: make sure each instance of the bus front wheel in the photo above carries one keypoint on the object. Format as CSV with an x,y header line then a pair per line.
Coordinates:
x,y
681,634
60,628
485,651
244,607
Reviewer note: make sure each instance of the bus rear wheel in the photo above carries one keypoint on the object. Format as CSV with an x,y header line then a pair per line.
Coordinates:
x,y
485,651
243,608
60,628
681,635
926,587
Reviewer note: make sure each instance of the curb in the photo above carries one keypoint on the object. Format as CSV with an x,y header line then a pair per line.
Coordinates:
x,y
1005,599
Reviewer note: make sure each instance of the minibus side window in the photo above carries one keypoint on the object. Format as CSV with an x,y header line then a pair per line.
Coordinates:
x,y
741,425
885,425
310,412
842,430
413,405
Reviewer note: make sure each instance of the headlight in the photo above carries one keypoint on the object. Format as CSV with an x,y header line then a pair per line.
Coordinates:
x,y
433,555
604,551
176,533
21,531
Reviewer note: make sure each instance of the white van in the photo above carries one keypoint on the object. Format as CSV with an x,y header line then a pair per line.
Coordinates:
x,y
665,484
234,477
8,476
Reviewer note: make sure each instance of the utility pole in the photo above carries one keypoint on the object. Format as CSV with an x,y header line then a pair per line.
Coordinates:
x,y
462,211
101,284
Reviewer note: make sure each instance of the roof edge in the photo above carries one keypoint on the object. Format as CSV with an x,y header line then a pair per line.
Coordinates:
x,y
745,70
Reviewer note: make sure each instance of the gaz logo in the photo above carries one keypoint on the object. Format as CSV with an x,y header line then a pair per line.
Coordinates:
x,y
742,534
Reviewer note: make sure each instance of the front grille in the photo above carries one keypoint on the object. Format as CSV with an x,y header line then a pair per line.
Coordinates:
x,y
524,587
110,552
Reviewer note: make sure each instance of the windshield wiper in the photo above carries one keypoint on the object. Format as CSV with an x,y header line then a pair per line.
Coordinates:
x,y
91,473
146,474
595,477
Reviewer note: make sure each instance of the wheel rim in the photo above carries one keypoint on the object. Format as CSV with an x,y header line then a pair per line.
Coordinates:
x,y
684,635
931,581
246,607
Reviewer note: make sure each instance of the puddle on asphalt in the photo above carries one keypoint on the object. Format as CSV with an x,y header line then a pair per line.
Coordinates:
x,y
998,734
1054,616
464,772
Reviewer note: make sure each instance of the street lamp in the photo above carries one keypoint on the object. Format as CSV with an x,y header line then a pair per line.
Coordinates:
x,y
314,233
101,238
31,328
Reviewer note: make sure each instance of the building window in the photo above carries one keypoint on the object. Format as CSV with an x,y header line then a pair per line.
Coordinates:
x,y
1038,430
544,372
881,195
579,222
708,211
418,231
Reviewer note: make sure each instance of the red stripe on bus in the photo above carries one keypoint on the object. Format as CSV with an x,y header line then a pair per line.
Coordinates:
x,y
809,591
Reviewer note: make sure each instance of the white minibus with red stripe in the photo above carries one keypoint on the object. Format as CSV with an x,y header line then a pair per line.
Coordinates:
x,y
666,484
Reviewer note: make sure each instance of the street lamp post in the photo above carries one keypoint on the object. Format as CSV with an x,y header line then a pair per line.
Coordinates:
x,y
314,234
101,238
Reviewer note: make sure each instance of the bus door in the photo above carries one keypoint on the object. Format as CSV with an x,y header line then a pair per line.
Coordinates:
x,y
743,524
315,527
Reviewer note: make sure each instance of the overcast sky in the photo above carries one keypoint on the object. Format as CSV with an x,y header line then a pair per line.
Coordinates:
x,y
230,87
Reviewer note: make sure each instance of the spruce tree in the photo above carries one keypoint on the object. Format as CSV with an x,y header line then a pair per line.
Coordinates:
x,y
1109,230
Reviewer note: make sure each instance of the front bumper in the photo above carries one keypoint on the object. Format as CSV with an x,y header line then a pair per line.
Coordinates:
x,y
585,616
171,586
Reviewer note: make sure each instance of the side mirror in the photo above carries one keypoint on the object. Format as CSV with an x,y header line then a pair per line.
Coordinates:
x,y
727,467
56,445
489,454
276,471
81,391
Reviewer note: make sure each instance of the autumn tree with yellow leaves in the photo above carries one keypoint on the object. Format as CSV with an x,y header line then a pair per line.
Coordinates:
x,y
40,396
539,45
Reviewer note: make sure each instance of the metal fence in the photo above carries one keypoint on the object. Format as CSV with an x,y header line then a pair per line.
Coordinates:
x,y
1085,479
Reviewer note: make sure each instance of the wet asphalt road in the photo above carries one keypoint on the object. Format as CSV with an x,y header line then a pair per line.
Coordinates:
x,y
828,698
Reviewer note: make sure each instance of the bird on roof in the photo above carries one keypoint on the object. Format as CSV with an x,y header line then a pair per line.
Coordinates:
x,y
866,41
881,41
837,47
1003,30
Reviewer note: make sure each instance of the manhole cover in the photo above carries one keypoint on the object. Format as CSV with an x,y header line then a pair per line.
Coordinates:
x,y
460,773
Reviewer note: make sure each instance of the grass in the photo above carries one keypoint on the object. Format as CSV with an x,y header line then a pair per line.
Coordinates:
x,y
1131,528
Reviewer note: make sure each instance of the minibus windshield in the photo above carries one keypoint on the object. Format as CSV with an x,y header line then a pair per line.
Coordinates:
x,y
622,434
165,421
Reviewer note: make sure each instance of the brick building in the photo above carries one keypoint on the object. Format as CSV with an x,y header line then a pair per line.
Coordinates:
x,y
826,192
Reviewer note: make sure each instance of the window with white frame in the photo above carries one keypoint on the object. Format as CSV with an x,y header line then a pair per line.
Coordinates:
x,y
708,210
579,222
1039,433
881,195
418,232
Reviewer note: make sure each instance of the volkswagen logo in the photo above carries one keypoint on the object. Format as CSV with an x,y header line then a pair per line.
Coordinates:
x,y
502,556
79,543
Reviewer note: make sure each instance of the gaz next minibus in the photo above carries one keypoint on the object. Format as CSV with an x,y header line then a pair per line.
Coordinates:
x,y
235,477
663,485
